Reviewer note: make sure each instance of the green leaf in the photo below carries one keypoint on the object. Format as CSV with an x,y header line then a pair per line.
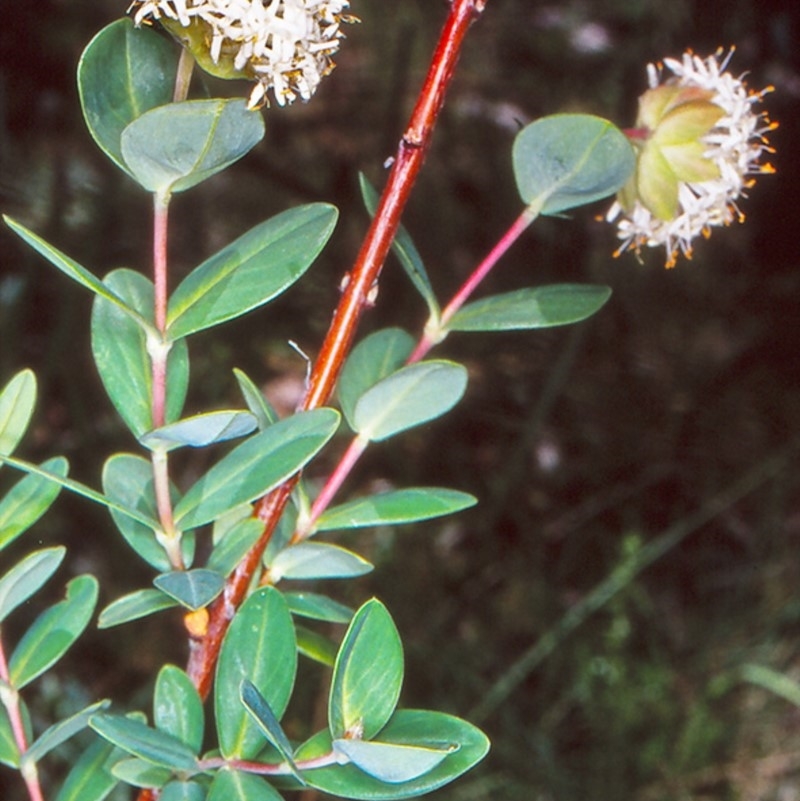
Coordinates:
x,y
193,589
149,744
235,544
409,397
128,481
53,632
256,466
9,753
140,773
260,647
567,160
396,507
255,400
255,703
390,762
16,407
540,307
27,576
133,606
60,732
183,791
119,347
28,500
778,683
314,646
406,252
317,560
177,707
73,270
367,676
375,357
200,431
235,785
317,607
123,72
175,146
252,270
416,728
90,778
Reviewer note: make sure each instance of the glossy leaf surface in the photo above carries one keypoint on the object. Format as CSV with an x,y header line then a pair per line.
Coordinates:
x,y
236,542
201,431
252,270
392,508
409,397
177,708
90,778
128,480
368,674
540,307
140,773
317,560
567,160
133,606
28,500
183,791
176,146
390,762
235,785
123,72
16,407
144,742
255,400
53,632
60,732
255,703
259,647
377,356
416,728
315,646
27,577
256,466
119,347
191,588
317,607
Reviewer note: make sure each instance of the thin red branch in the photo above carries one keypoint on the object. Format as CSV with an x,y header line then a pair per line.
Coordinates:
x,y
361,278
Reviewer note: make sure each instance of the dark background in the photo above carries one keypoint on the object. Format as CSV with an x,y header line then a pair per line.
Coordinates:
x,y
583,444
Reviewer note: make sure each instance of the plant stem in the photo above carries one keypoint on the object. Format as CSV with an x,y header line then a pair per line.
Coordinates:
x,y
362,276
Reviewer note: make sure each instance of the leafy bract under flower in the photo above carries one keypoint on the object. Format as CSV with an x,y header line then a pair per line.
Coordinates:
x,y
699,143
284,45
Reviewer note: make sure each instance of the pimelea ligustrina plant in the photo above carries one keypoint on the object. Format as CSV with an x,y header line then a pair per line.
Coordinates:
x,y
244,622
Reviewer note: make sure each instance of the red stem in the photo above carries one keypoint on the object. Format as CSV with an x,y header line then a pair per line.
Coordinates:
x,y
362,277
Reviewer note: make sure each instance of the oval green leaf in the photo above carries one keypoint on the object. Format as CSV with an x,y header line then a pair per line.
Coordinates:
x,y
60,732
416,728
374,358
255,400
53,632
16,407
175,146
128,480
123,72
28,500
317,560
133,606
259,646
255,703
151,745
409,397
396,507
367,676
27,577
317,607
177,708
252,270
539,307
314,646
567,160
183,791
140,773
90,777
191,588
201,430
235,543
256,466
235,785
119,347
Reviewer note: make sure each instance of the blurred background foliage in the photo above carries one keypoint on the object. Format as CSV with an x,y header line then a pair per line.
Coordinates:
x,y
585,445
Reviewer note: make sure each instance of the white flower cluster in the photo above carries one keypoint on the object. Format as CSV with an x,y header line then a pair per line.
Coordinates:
x,y
285,45
735,144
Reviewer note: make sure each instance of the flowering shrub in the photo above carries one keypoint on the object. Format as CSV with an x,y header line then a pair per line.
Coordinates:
x,y
262,524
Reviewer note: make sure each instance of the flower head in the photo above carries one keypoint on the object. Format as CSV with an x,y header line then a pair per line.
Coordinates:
x,y
284,45
699,142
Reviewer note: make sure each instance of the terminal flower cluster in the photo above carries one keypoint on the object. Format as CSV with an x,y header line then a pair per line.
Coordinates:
x,y
699,141
286,46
